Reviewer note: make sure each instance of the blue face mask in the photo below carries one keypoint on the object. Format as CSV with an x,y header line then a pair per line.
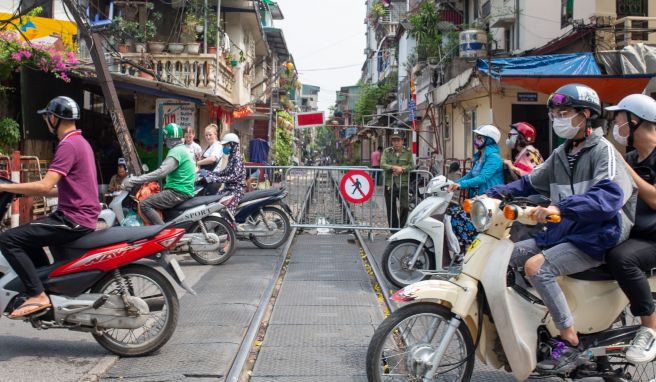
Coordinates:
x,y
227,150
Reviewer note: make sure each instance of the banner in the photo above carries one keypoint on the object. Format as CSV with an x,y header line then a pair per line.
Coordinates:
x,y
175,111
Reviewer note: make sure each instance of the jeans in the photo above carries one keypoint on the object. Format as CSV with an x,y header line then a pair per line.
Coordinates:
x,y
23,246
559,260
628,263
161,201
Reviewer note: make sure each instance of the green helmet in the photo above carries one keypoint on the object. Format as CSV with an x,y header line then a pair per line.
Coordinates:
x,y
173,131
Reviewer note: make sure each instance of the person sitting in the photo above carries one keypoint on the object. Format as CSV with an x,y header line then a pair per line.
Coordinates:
x,y
635,125
212,155
520,141
194,148
591,190
180,173
116,182
233,176
487,170
72,178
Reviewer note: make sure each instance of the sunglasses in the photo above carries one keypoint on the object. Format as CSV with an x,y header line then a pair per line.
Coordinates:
x,y
556,100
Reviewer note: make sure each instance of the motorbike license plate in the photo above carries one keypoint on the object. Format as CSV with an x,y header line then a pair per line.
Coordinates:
x,y
177,269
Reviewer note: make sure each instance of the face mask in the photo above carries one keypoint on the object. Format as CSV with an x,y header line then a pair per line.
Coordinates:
x,y
227,150
616,134
564,129
479,142
511,141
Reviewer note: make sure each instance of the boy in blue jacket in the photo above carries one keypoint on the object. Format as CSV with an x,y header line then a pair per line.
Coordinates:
x,y
593,193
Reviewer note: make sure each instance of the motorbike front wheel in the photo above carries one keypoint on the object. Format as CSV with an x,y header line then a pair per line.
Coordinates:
x,y
275,220
226,233
404,344
396,261
152,287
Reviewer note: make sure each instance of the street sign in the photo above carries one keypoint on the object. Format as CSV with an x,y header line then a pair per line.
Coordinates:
x,y
310,119
357,186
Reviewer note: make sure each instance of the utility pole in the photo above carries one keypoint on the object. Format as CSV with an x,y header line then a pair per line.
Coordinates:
x,y
94,43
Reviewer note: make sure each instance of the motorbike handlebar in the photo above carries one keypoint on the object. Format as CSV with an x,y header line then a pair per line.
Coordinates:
x,y
514,212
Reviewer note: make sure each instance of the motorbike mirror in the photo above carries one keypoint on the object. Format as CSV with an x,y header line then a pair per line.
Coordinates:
x,y
539,200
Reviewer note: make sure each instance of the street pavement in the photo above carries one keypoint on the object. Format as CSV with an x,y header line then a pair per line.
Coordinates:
x,y
207,337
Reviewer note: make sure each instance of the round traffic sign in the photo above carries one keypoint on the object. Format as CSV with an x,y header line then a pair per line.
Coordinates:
x,y
357,186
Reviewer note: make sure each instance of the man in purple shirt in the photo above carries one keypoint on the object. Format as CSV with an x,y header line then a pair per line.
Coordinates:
x,y
72,178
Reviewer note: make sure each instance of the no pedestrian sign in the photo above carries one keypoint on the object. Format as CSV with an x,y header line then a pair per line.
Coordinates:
x,y
357,186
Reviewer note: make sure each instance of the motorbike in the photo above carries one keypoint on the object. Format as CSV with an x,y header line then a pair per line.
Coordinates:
x,y
209,237
96,285
492,314
262,216
419,246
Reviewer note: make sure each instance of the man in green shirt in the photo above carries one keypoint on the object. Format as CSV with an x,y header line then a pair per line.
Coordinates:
x,y
397,161
180,171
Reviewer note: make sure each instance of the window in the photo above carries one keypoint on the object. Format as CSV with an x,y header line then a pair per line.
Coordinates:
x,y
566,12
509,38
470,125
446,128
634,8
486,9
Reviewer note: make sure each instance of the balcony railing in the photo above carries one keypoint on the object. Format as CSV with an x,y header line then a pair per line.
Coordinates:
x,y
633,29
198,71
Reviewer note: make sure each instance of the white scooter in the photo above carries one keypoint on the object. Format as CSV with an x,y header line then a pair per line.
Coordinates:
x,y
419,246
484,312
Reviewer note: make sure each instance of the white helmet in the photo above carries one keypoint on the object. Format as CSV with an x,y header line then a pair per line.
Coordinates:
x,y
642,106
230,137
489,131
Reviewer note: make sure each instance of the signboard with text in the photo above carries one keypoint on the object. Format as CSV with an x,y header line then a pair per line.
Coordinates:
x,y
174,111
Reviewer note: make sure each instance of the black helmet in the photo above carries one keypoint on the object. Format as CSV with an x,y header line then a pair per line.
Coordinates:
x,y
577,96
62,107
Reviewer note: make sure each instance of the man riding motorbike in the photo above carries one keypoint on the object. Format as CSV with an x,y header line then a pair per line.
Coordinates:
x,y
180,171
592,192
72,178
635,125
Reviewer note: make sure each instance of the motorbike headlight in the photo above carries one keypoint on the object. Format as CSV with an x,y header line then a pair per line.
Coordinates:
x,y
481,216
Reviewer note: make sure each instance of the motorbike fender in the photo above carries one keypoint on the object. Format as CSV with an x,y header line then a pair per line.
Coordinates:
x,y
225,214
108,216
409,233
516,319
458,294
6,296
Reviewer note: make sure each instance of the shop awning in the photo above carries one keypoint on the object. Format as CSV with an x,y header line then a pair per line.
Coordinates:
x,y
547,73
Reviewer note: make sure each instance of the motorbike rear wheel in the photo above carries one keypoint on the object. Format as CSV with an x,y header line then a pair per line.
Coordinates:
x,y
155,289
404,343
222,228
395,258
274,216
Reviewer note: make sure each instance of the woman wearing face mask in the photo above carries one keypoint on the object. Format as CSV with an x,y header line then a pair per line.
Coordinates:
x,y
595,197
487,170
233,176
520,140
635,125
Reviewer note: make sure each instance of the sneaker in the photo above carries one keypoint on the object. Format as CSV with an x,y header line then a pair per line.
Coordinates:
x,y
643,346
564,358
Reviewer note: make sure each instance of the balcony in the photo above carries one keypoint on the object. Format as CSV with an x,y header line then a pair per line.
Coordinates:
x,y
633,30
197,71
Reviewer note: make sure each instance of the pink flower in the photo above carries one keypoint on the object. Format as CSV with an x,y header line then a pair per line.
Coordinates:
x,y
16,56
65,77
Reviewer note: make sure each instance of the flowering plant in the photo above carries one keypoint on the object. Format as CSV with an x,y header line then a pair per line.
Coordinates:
x,y
15,53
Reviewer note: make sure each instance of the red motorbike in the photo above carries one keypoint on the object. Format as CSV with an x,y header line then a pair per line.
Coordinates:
x,y
96,285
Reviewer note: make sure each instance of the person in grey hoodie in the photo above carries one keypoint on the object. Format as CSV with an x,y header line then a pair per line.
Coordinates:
x,y
591,189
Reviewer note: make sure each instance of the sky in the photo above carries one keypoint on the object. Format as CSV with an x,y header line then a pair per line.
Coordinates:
x,y
323,34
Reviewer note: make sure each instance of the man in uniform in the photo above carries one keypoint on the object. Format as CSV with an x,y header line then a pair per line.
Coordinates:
x,y
397,162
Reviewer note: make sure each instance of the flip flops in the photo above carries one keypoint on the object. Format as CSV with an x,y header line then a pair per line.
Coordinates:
x,y
36,307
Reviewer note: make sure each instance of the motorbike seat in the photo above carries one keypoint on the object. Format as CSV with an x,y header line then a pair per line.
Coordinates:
x,y
113,235
261,194
197,201
600,273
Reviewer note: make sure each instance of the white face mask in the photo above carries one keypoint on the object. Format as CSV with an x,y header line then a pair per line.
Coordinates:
x,y
616,134
511,141
563,127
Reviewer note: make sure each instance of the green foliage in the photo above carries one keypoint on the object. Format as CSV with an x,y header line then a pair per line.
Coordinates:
x,y
370,96
424,30
123,29
282,148
148,32
9,135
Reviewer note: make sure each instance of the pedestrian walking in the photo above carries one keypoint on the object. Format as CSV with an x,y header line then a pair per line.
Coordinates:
x,y
397,161
375,163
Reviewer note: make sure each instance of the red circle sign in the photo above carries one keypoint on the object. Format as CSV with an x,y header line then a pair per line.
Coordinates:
x,y
357,186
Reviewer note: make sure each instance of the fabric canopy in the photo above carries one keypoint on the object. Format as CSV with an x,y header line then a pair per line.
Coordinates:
x,y
551,64
547,73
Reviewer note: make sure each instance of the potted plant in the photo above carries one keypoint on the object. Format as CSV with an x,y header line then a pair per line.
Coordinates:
x,y
146,61
123,31
146,33
212,32
233,59
189,34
